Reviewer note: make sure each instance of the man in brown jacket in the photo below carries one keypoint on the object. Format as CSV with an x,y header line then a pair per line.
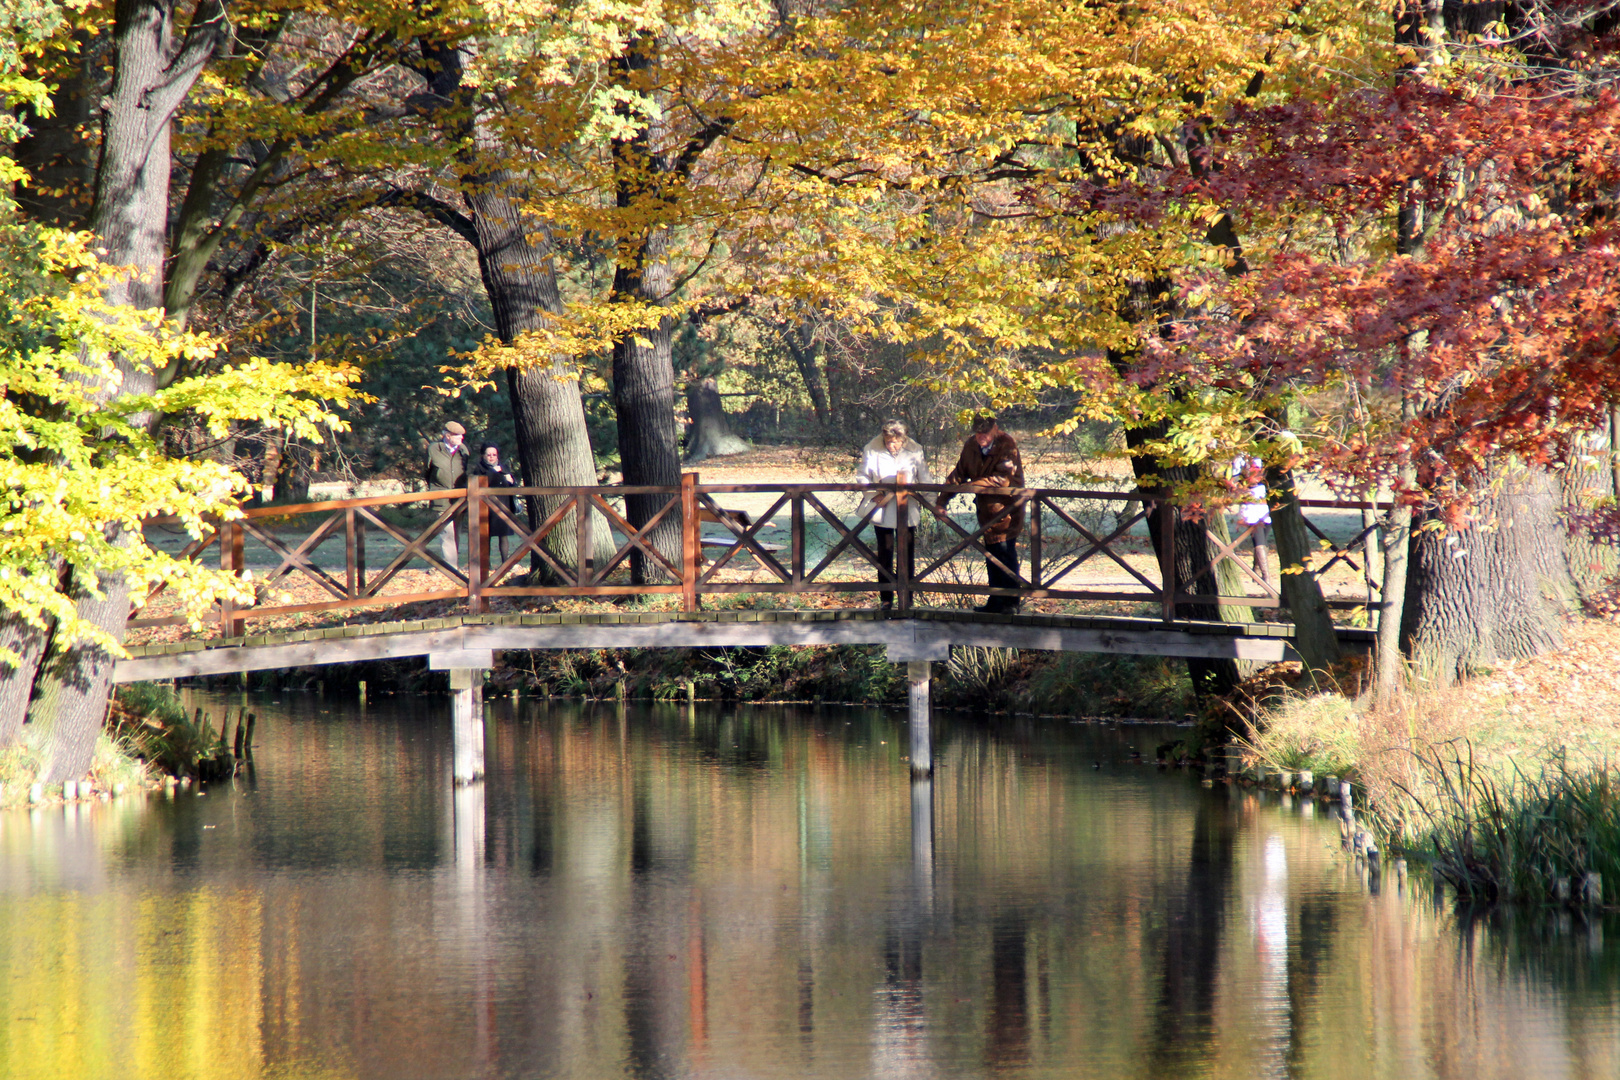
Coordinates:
x,y
989,462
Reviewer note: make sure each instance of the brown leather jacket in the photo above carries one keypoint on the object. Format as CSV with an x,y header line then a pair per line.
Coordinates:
x,y
1001,467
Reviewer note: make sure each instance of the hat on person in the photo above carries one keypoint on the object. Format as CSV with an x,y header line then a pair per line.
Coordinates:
x,y
453,428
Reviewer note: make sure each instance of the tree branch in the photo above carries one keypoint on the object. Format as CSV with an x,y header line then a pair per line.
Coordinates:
x,y
209,32
437,209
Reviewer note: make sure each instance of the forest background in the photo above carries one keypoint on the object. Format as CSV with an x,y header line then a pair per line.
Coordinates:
x,y
253,244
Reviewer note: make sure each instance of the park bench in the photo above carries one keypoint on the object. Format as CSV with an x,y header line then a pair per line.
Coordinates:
x,y
741,519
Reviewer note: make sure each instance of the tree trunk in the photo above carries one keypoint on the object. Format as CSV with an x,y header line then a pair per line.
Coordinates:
x,y
804,357
1389,662
1493,589
197,234
69,702
553,443
1315,638
643,367
150,81
644,400
520,278
710,434
1209,677
1582,486
17,683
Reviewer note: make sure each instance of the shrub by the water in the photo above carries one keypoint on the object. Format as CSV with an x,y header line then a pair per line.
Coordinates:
x,y
1319,733
151,720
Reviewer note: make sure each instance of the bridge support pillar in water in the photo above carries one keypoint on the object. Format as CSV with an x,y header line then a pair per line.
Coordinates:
x,y
467,731
467,709
918,674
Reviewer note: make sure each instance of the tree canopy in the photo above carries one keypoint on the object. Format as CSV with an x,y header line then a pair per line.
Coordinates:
x,y
1375,243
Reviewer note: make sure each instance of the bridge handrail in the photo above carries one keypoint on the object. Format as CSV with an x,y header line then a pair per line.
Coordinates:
x,y
472,507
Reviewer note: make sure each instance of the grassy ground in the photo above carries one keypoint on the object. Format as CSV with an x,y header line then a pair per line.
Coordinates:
x,y
1509,783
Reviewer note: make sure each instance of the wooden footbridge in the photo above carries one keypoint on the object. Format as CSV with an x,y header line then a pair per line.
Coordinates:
x,y
630,542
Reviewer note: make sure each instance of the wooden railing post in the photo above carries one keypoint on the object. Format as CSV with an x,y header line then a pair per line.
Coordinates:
x,y
354,559
582,537
477,543
796,540
902,548
1035,542
691,541
359,554
230,561
1167,558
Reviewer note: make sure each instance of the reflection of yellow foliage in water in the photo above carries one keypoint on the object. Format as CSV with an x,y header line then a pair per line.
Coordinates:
x,y
165,987
742,894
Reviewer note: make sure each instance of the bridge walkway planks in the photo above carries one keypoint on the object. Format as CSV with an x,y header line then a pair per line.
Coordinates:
x,y
469,641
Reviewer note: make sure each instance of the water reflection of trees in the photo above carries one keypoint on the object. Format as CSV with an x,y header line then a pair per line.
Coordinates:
x,y
662,893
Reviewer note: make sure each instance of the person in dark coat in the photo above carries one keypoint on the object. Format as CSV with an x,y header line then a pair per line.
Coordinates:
x,y
489,465
991,464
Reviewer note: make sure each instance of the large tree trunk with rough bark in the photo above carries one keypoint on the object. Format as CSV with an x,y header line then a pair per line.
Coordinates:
x,y
1315,638
73,685
643,366
17,683
710,434
1494,589
553,443
151,77
644,400
1586,483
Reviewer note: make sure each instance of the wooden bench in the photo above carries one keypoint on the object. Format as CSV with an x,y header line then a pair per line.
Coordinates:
x,y
739,518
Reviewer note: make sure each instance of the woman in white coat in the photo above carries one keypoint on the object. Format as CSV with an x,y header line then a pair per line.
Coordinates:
x,y
892,457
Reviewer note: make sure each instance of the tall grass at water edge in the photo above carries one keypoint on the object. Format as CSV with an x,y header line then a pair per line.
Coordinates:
x,y
112,767
1497,822
1510,836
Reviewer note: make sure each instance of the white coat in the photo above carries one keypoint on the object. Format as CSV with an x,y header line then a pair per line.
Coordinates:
x,y
878,466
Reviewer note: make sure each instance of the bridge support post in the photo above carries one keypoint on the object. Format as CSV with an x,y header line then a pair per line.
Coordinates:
x,y
467,724
466,668
918,674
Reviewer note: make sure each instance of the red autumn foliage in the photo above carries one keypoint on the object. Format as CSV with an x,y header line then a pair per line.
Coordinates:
x,y
1504,328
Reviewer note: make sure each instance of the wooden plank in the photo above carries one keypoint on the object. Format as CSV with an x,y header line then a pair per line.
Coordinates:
x,y
924,637
691,549
627,589
340,605
223,660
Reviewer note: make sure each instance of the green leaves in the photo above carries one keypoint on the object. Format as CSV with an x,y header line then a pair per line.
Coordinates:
x,y
80,470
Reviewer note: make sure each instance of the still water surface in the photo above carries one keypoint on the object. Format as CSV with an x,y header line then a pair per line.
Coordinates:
x,y
659,892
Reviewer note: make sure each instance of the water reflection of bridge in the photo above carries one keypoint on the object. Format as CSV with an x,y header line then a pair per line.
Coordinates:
x,y
465,646
1107,547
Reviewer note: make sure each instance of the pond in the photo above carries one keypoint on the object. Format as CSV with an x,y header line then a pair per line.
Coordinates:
x,y
663,891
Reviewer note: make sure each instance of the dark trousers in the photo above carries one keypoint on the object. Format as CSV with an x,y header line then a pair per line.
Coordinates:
x,y
1007,551
885,553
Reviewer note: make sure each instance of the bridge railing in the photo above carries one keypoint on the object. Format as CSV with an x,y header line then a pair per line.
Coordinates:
x,y
586,542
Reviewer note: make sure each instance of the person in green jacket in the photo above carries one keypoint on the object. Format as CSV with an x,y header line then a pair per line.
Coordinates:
x,y
447,468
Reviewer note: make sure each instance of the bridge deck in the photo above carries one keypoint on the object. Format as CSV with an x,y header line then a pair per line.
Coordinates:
x,y
919,634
